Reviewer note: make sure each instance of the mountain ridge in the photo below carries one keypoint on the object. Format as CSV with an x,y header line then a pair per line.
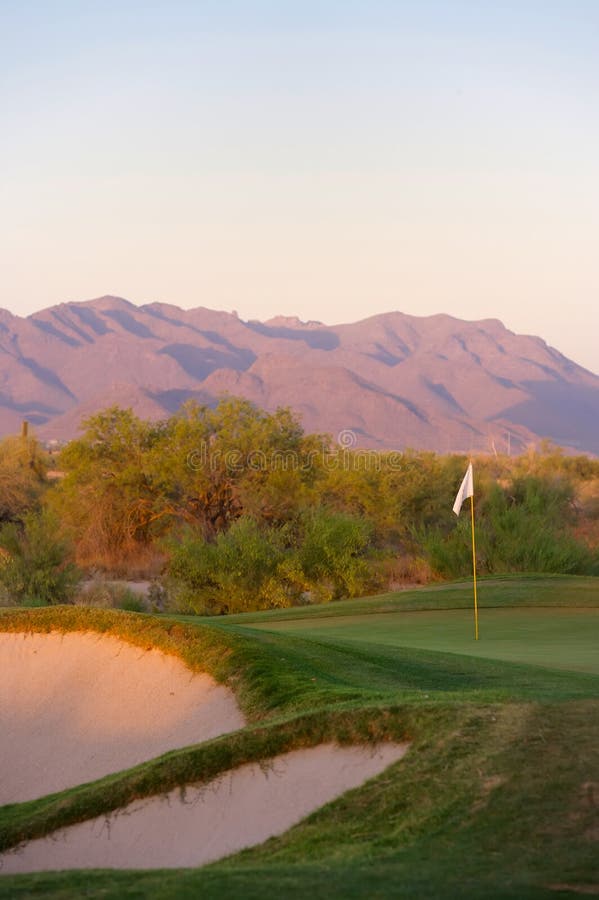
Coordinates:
x,y
397,380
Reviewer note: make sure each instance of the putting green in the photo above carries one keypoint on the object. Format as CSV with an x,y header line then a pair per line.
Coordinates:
x,y
557,638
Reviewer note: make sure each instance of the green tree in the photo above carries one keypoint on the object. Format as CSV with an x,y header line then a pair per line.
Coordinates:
x,y
22,476
106,497
212,466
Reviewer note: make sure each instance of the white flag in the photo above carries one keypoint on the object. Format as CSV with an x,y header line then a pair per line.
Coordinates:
x,y
466,490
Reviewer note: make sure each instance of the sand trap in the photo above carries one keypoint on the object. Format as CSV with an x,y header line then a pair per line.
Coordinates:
x,y
240,809
75,707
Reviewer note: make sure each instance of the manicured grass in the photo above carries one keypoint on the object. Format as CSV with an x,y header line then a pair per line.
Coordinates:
x,y
498,796
556,638
490,802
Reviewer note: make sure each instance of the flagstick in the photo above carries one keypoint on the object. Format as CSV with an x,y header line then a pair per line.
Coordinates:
x,y
474,569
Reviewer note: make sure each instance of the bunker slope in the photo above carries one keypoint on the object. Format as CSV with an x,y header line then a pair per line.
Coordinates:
x,y
239,809
77,706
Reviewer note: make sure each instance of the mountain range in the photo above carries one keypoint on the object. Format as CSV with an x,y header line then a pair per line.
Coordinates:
x,y
391,380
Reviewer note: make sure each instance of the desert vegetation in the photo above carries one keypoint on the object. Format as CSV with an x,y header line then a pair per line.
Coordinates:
x,y
231,509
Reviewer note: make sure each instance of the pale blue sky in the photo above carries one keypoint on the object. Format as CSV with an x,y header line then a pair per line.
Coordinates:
x,y
326,159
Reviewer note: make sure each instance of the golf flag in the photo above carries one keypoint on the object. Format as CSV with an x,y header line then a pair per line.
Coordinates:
x,y
466,490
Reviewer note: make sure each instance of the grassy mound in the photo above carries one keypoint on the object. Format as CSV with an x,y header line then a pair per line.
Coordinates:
x,y
498,797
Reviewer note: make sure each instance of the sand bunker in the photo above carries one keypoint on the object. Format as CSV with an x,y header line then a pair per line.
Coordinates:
x,y
240,809
75,707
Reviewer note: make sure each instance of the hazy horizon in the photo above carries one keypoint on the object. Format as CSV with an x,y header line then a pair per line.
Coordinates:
x,y
330,160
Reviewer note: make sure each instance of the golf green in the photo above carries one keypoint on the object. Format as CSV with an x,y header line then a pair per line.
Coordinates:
x,y
556,638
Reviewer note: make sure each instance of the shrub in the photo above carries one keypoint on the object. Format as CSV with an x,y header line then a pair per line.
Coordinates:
x,y
523,527
245,568
249,568
36,567
110,595
331,553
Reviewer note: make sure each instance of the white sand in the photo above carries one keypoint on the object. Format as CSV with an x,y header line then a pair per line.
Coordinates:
x,y
240,809
75,707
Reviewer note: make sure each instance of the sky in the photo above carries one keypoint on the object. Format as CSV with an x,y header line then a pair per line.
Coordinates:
x,y
330,160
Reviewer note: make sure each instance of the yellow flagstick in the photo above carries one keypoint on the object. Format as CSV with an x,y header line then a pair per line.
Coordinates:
x,y
474,569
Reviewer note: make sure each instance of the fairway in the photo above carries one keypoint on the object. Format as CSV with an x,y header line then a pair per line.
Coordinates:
x,y
556,638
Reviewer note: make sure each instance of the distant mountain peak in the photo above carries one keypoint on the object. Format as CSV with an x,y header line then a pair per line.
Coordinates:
x,y
293,322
